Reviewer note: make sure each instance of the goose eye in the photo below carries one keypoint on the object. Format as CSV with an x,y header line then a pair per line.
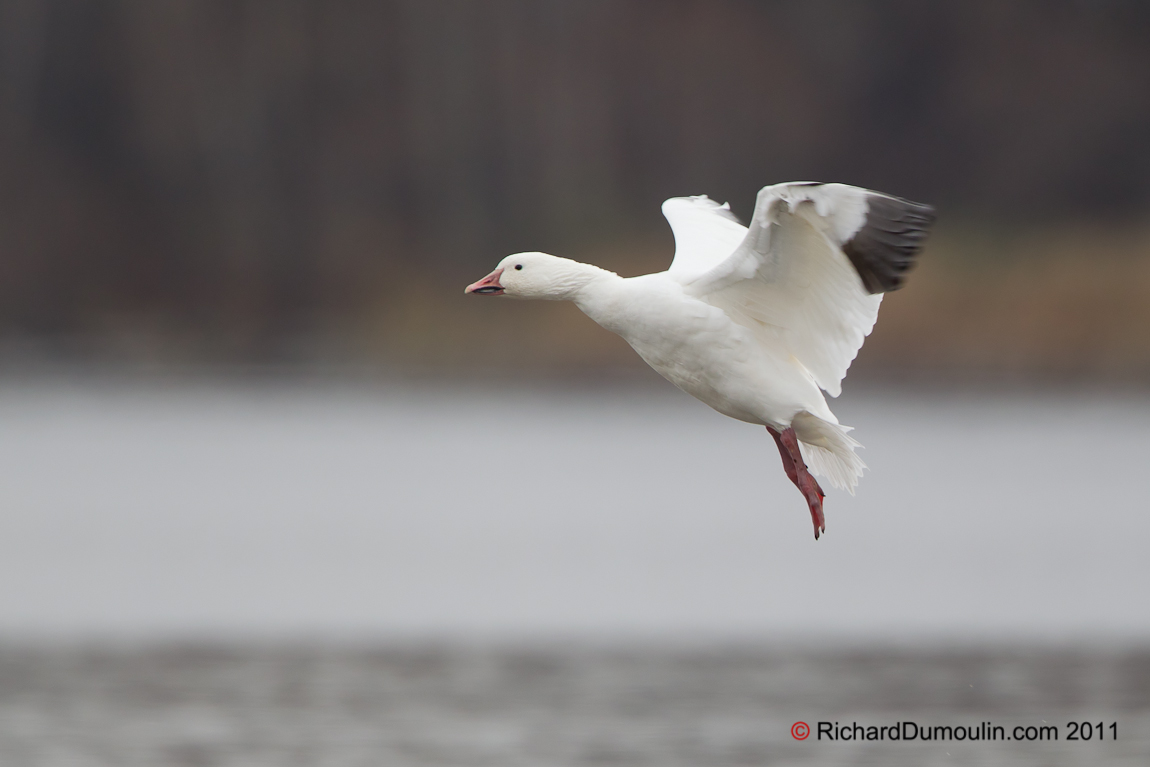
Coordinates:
x,y
519,267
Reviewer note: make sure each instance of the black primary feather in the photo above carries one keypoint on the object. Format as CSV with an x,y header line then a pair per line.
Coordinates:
x,y
884,248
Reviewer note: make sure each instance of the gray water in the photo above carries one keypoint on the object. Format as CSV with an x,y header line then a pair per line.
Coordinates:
x,y
237,575
205,511
724,705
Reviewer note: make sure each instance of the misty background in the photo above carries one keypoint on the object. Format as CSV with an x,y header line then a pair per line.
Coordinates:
x,y
274,491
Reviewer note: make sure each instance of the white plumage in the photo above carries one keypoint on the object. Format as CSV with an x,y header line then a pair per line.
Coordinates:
x,y
754,320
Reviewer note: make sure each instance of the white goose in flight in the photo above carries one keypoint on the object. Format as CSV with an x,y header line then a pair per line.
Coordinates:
x,y
754,320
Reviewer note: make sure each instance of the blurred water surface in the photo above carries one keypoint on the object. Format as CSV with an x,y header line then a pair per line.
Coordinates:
x,y
641,705
249,574
255,510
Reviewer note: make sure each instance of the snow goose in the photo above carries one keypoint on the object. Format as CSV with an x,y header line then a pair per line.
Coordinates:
x,y
754,320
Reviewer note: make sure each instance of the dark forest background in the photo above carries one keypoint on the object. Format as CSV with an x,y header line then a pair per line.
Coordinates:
x,y
306,182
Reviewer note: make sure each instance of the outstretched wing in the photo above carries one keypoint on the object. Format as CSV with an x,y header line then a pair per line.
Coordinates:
x,y
810,272
705,234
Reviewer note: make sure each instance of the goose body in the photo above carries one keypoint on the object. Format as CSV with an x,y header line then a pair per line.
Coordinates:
x,y
754,321
700,349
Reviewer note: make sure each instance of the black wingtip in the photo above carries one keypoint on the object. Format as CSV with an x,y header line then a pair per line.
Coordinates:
x,y
884,249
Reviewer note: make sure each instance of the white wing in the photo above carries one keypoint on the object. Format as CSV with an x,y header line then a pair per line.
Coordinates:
x,y
810,273
705,234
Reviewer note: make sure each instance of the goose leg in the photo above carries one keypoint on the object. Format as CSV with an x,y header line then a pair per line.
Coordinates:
x,y
796,469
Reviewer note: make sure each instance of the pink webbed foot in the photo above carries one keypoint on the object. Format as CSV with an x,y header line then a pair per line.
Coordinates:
x,y
796,468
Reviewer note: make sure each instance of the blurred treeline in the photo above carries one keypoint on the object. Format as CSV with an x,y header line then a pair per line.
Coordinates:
x,y
312,181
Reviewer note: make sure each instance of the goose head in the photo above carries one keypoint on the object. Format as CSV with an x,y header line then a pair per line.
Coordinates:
x,y
535,275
